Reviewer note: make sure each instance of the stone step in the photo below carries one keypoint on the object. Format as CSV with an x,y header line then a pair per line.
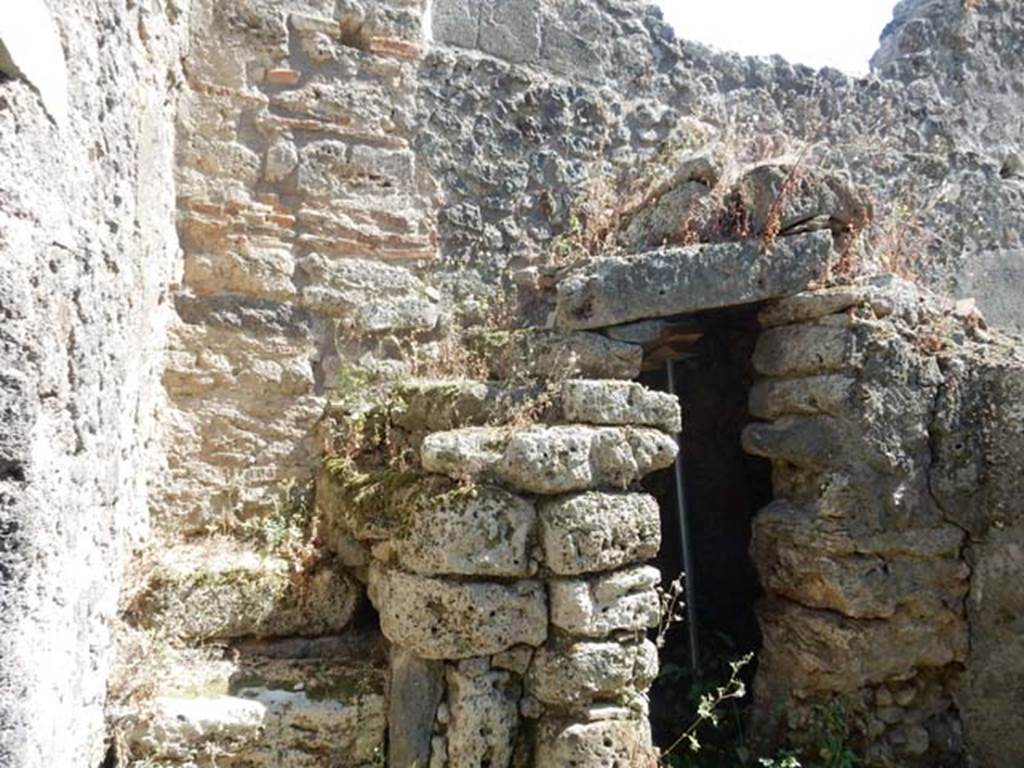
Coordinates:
x,y
217,590
259,712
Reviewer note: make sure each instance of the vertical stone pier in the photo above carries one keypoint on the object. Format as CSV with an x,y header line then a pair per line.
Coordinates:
x,y
508,571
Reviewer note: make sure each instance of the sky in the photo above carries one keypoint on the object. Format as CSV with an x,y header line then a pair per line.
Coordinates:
x,y
819,33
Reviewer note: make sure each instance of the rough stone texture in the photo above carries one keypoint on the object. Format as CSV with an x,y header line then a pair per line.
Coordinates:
x,y
618,403
596,607
550,460
603,743
265,714
543,354
976,478
302,214
421,684
894,439
618,289
484,707
483,532
88,249
593,532
206,593
582,672
439,619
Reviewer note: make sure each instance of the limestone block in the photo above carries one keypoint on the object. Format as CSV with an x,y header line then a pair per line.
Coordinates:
x,y
585,671
602,743
550,460
464,453
484,707
370,296
418,687
281,159
829,394
818,563
202,592
439,619
442,404
457,22
804,350
546,354
618,289
620,403
594,531
596,607
812,442
257,709
510,29
822,651
331,168
811,305
482,531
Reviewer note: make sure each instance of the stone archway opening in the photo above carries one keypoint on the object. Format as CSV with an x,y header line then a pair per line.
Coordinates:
x,y
723,487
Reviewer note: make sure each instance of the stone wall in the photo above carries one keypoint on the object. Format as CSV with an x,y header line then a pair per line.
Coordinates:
x,y
300,205
506,563
88,248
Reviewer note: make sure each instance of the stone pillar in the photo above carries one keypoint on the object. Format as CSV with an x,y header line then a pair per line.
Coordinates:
x,y
509,578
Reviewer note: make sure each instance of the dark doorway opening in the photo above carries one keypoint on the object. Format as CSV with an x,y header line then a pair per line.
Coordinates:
x,y
724,488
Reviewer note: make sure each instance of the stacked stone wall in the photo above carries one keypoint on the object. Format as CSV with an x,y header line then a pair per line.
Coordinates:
x,y
508,573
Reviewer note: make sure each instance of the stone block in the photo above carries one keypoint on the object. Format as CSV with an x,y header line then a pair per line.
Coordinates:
x,y
582,672
481,531
457,22
812,442
484,706
819,563
594,531
600,743
619,403
418,686
828,395
203,593
439,619
369,296
817,651
613,290
550,460
510,29
805,350
596,607
811,305
256,709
